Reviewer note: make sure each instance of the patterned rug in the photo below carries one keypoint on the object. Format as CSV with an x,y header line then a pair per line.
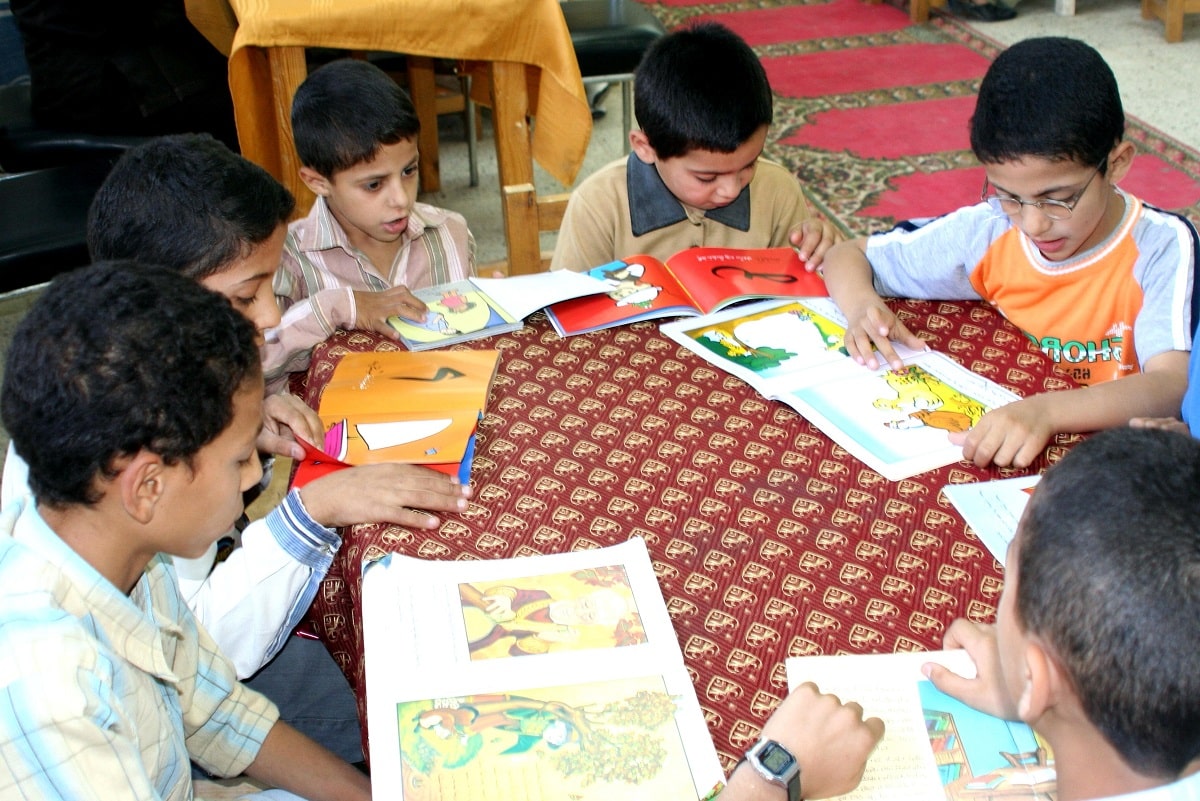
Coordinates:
x,y
871,110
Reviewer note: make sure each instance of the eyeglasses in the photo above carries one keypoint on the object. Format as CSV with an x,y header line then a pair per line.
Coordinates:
x,y
1054,209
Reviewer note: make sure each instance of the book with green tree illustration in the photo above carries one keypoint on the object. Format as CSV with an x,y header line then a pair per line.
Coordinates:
x,y
896,421
694,281
541,677
933,746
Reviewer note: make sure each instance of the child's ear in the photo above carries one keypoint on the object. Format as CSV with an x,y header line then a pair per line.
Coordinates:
x,y
641,146
141,481
1120,159
1039,683
318,183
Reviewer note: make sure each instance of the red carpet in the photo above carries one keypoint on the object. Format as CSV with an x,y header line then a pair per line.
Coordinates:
x,y
871,111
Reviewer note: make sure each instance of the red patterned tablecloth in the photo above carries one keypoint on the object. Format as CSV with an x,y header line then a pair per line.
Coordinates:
x,y
768,539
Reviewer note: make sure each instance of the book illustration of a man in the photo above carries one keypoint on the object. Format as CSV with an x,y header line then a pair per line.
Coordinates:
x,y
455,312
628,289
923,400
517,621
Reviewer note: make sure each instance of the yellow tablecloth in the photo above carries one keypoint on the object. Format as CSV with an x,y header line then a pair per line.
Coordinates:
x,y
530,32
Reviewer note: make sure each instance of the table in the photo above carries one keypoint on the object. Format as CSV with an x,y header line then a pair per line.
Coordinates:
x,y
522,48
768,540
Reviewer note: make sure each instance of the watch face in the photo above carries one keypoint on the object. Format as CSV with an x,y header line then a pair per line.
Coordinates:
x,y
776,759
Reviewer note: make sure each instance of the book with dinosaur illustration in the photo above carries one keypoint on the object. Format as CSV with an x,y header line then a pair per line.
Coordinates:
x,y
896,421
474,308
933,746
695,281
544,676
394,406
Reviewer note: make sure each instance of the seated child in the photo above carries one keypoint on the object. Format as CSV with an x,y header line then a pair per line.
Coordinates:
x,y
188,203
695,176
367,242
1101,281
137,448
1096,635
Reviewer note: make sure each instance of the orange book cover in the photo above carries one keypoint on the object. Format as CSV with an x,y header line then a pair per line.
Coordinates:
x,y
417,408
692,282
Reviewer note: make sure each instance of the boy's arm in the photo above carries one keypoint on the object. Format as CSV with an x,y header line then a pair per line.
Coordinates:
x,y
290,761
1016,434
829,739
871,324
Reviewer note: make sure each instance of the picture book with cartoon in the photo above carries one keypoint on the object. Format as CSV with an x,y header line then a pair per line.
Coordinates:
x,y
933,746
481,307
896,421
692,282
540,677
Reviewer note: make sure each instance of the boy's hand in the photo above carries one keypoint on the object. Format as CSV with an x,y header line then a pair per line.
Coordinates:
x,y
811,239
986,692
373,309
870,331
1011,435
286,418
1164,423
829,739
384,493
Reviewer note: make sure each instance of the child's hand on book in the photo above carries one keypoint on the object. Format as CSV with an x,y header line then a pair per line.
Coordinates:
x,y
988,691
404,494
831,740
286,418
372,309
811,239
870,330
1011,435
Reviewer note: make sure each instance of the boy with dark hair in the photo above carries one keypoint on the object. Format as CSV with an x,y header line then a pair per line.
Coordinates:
x,y
367,242
695,176
138,448
1096,636
188,203
1101,281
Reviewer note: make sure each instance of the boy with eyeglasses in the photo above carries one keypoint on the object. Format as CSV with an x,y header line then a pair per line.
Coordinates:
x,y
1101,281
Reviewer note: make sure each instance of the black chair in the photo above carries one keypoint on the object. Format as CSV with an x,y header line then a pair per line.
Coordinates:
x,y
47,181
610,37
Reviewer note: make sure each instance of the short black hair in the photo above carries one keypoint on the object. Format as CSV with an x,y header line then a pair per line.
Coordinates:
x,y
115,358
701,88
185,202
1050,97
345,111
1108,573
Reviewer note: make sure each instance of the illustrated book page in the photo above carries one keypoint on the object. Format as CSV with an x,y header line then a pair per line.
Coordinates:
x,y
417,408
474,308
691,282
542,677
993,508
896,421
933,745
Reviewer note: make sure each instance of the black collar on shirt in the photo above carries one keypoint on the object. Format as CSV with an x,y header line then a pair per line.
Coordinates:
x,y
652,206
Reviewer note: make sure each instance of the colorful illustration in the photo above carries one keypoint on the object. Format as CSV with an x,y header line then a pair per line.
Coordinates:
x,y
456,309
980,757
576,741
568,611
628,288
924,400
763,343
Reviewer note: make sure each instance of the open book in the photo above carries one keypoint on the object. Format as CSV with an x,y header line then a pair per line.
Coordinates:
x,y
541,677
895,421
693,281
417,408
933,745
993,509
482,307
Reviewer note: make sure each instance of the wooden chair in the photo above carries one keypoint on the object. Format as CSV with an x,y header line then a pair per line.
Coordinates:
x,y
1171,13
